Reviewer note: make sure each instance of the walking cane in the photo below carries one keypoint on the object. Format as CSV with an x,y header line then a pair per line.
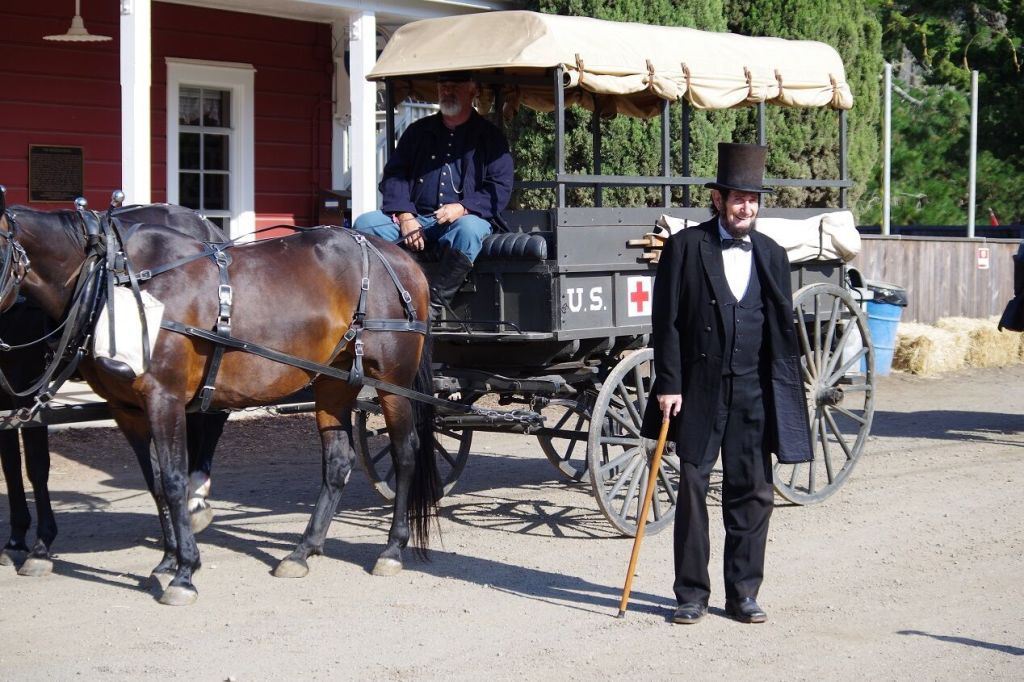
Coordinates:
x,y
652,481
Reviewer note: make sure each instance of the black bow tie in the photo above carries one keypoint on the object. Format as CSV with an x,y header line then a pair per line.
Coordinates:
x,y
741,243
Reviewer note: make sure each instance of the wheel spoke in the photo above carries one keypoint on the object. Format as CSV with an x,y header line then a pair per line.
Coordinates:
x,y
641,394
617,462
851,415
818,350
830,369
630,406
630,426
839,436
445,455
826,455
631,495
805,344
623,477
833,320
627,441
666,485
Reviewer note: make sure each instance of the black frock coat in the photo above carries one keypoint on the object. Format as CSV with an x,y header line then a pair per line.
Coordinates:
x,y
689,341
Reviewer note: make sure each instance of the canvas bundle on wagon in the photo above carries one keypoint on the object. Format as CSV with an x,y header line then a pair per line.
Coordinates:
x,y
555,315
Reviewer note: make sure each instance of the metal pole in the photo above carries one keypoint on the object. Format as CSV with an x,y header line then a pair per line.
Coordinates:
x,y
666,152
560,134
596,133
973,165
844,173
761,136
886,147
686,151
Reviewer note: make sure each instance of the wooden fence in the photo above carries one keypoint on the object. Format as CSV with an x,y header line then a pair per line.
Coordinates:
x,y
942,274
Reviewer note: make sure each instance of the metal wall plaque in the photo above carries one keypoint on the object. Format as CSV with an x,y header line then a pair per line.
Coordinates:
x,y
55,173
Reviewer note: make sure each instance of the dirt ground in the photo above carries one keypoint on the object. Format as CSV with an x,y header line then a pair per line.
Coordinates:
x,y
912,571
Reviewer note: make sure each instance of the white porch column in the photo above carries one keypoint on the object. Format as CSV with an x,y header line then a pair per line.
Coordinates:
x,y
136,155
362,56
341,120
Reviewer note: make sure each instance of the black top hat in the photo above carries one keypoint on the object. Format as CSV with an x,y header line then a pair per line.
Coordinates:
x,y
741,168
454,76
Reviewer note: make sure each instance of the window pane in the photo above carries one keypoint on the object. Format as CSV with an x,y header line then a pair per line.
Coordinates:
x,y
219,222
188,190
215,152
215,191
216,108
188,151
188,106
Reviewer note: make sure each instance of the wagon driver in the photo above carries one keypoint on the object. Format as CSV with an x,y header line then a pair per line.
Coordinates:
x,y
728,375
449,177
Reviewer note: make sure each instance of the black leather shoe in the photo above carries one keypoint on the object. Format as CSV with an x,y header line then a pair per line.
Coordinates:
x,y
689,613
745,610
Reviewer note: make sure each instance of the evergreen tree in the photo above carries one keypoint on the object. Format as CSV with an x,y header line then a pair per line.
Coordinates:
x,y
934,46
629,146
804,143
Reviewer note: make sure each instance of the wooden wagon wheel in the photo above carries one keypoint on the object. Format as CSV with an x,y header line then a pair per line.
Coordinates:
x,y
565,441
839,379
451,447
619,458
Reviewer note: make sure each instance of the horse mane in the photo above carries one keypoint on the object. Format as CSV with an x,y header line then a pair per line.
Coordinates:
x,y
67,218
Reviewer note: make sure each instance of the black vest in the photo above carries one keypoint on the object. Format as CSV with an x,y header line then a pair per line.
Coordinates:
x,y
744,328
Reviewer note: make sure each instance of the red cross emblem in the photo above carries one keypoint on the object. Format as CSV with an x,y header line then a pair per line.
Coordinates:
x,y
639,294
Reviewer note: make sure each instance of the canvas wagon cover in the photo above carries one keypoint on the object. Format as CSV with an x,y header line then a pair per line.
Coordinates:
x,y
631,67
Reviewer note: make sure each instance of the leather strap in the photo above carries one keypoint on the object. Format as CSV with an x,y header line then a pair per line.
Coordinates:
x,y
309,366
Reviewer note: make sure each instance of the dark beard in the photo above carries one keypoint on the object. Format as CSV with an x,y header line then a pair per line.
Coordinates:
x,y
737,232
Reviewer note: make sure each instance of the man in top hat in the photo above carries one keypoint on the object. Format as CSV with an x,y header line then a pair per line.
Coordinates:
x,y
449,177
728,375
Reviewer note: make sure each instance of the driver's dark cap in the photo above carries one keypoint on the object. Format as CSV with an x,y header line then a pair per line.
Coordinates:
x,y
454,76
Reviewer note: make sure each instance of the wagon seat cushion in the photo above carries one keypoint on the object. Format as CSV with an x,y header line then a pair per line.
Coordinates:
x,y
505,246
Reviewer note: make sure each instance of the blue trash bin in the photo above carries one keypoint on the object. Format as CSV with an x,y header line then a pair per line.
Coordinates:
x,y
884,311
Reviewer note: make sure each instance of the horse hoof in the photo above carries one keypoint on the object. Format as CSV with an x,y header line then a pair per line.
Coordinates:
x,y
200,519
291,568
178,595
34,567
386,567
161,581
7,558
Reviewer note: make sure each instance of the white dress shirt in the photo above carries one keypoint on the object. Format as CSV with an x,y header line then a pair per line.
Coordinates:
x,y
737,264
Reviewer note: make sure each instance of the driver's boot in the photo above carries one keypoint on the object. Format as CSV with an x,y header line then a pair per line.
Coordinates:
x,y
451,273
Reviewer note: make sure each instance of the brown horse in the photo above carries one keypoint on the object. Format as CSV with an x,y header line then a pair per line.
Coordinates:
x,y
23,329
297,295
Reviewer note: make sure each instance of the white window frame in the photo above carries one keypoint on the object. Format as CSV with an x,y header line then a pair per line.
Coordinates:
x,y
239,80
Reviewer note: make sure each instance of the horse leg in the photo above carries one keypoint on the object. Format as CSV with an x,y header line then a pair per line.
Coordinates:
x,y
21,519
167,423
37,465
399,419
334,422
135,426
203,430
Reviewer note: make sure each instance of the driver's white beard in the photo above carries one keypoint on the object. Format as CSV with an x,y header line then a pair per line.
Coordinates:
x,y
450,108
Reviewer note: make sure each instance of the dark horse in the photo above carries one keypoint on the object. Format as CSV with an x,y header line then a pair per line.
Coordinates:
x,y
297,295
26,361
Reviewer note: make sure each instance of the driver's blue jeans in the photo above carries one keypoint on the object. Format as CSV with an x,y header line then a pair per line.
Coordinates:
x,y
465,234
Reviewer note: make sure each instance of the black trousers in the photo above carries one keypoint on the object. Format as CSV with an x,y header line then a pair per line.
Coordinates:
x,y
747,498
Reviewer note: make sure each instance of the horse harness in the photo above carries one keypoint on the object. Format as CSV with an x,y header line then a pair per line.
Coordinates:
x,y
106,236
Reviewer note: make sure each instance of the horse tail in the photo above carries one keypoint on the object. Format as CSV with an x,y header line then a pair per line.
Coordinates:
x,y
426,486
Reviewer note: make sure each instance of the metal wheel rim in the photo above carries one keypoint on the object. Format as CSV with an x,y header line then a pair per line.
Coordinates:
x,y
827,321
569,454
451,448
619,458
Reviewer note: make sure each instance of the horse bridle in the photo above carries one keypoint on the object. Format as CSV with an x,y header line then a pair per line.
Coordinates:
x,y
15,261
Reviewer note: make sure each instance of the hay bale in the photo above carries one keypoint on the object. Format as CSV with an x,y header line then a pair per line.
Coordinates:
x,y
987,346
926,350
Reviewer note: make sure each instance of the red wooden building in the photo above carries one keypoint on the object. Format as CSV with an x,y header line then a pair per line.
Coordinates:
x,y
246,112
